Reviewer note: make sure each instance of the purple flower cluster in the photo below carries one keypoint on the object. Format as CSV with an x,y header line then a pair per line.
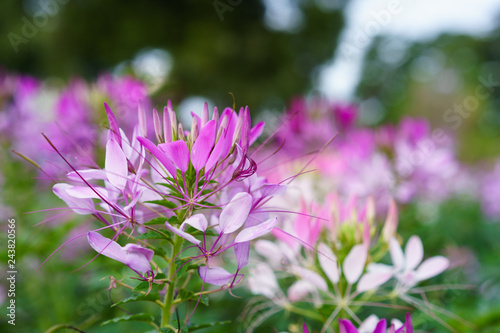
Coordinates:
x,y
70,115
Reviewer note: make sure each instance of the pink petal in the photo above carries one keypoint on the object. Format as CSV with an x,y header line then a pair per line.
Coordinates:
x,y
354,263
328,262
248,234
167,126
177,152
79,206
299,290
197,221
242,252
269,190
113,125
234,215
215,275
190,238
391,223
143,125
256,131
160,155
414,252
381,327
372,280
82,192
116,165
138,257
397,255
431,267
203,146
88,174
106,247
304,328
221,146
345,326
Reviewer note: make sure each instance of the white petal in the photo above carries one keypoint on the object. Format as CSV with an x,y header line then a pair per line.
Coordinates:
x,y
397,255
328,262
372,280
299,290
432,267
354,263
312,277
251,233
234,215
414,252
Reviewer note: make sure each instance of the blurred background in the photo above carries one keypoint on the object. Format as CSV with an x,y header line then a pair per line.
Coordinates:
x,y
434,59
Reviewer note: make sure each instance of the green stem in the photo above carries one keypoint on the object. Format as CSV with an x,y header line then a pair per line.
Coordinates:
x,y
169,296
306,313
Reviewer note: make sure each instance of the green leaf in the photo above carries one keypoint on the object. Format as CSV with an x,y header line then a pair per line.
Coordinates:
x,y
136,317
164,203
151,297
206,325
188,295
154,235
156,220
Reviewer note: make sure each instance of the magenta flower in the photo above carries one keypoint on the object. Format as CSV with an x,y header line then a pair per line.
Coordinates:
x,y
345,326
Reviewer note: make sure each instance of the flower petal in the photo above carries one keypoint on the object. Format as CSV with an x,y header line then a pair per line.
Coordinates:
x,y
138,257
190,238
106,247
113,124
234,215
431,267
248,234
203,145
372,280
328,262
397,255
299,290
354,263
242,252
82,206
116,165
160,155
381,326
177,152
262,281
345,326
414,252
215,275
256,131
197,221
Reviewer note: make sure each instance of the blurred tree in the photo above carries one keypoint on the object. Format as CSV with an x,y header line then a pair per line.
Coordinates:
x,y
216,46
453,80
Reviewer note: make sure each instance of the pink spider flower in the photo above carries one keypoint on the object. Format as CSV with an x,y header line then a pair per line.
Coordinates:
x,y
214,151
